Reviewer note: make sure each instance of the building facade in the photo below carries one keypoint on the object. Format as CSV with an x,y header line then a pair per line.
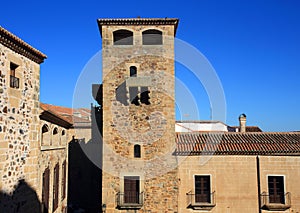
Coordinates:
x,y
150,163
33,140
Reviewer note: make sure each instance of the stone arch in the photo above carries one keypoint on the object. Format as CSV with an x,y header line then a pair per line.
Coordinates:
x,y
55,136
46,137
63,137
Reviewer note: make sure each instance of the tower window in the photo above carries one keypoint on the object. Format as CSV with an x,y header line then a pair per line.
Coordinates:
x,y
123,37
145,95
133,71
137,151
14,81
152,37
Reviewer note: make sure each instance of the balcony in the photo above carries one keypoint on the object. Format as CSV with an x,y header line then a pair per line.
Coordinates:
x,y
278,202
14,82
129,200
201,202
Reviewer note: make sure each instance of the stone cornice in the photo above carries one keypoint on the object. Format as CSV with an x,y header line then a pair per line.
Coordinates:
x,y
138,21
19,46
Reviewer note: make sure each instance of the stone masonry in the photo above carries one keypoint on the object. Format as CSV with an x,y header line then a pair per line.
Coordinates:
x,y
150,126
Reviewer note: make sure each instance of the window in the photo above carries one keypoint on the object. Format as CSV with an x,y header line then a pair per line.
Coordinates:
x,y
123,37
131,189
137,151
63,185
202,189
152,37
45,135
55,187
276,189
14,81
45,190
133,71
55,137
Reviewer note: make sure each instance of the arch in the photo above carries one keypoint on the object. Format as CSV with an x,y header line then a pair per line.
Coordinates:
x,y
152,37
55,136
123,37
45,138
63,137
137,151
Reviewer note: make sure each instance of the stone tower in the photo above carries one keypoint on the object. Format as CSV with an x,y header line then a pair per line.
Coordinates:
x,y
139,168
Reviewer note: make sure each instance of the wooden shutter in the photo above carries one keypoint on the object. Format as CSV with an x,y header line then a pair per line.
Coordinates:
x,y
131,189
45,190
276,189
202,189
55,187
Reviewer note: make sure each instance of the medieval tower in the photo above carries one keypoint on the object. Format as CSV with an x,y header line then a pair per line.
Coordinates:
x,y
139,168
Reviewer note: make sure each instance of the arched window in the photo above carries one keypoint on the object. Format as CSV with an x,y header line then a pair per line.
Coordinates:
x,y
133,71
137,151
123,37
55,137
45,140
63,138
152,37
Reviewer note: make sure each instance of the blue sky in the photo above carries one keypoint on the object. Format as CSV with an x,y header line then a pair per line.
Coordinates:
x,y
254,47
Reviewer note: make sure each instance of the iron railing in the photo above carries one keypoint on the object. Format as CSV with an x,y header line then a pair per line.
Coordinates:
x,y
201,201
275,202
14,82
129,200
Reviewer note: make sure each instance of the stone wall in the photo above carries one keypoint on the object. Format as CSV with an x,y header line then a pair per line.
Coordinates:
x,y
234,180
54,151
150,126
19,121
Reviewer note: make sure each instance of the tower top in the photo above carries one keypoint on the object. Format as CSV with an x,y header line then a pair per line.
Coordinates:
x,y
138,21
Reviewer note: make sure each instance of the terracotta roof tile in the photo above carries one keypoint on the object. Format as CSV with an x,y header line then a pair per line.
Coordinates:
x,y
68,114
234,143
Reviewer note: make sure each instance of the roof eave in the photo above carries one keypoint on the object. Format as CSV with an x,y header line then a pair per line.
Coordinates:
x,y
138,21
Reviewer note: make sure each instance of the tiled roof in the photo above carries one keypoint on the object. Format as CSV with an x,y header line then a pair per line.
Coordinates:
x,y
68,114
138,21
235,143
18,45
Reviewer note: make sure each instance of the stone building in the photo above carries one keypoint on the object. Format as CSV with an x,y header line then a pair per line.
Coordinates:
x,y
33,139
152,164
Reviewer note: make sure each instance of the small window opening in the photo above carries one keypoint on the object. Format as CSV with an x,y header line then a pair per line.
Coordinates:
x,y
152,37
123,37
133,71
137,151
14,81
55,131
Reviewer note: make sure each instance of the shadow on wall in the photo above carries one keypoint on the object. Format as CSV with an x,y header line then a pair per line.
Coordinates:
x,y
23,200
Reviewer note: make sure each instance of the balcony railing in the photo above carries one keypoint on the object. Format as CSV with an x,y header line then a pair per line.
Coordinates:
x,y
14,82
201,201
129,200
277,202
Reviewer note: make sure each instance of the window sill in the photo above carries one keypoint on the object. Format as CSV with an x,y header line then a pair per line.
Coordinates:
x,y
276,207
202,206
48,148
130,206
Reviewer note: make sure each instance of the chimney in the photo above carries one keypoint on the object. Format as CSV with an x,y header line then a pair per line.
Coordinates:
x,y
243,119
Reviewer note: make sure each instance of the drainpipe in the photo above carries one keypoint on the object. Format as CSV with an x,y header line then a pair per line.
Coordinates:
x,y
258,182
